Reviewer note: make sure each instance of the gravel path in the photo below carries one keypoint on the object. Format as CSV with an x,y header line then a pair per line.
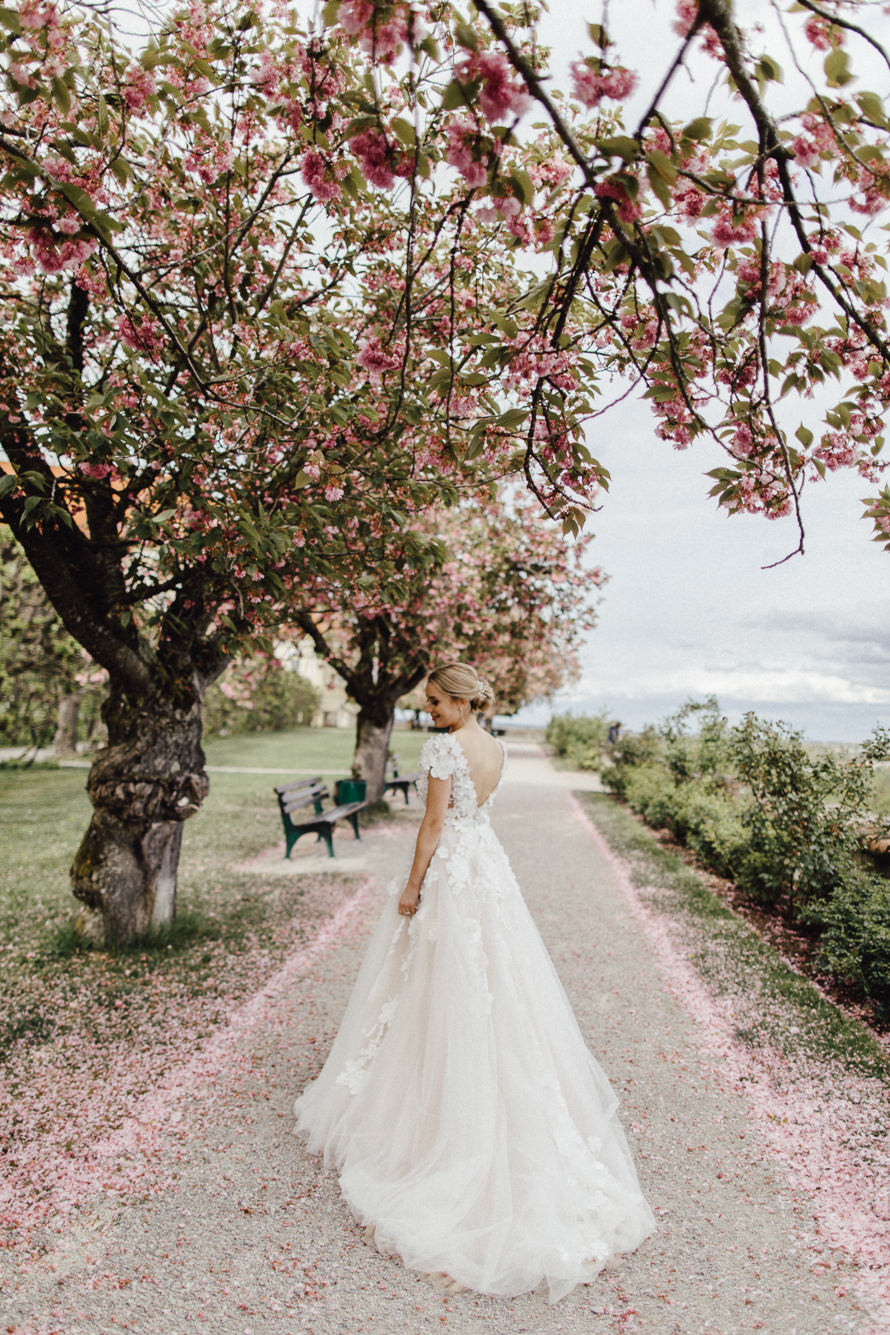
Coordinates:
x,y
242,1234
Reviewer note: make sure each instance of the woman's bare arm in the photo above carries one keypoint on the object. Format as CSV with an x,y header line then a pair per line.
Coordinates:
x,y
437,799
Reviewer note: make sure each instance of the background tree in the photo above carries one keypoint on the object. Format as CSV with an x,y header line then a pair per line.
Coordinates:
x,y
45,676
259,693
500,587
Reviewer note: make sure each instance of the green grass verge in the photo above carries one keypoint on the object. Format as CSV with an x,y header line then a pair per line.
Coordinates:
x,y
225,919
777,1006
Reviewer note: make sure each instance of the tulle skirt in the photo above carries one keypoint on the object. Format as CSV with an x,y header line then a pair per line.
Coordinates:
x,y
472,1128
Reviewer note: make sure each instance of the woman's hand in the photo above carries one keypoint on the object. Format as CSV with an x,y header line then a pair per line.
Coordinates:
x,y
408,902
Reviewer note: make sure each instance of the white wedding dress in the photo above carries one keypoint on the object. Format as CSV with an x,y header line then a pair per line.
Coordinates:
x,y
473,1130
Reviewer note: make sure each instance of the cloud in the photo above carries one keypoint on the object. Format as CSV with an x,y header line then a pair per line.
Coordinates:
x,y
751,685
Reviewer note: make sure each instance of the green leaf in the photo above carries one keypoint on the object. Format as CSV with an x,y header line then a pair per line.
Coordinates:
x,y
836,67
659,185
619,146
467,36
330,13
10,19
872,106
8,483
770,69
524,186
616,253
699,129
805,436
61,95
532,298
456,95
404,130
120,169
78,197
512,419
661,163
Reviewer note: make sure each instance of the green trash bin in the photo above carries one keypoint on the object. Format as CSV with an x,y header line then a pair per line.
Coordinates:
x,y
350,790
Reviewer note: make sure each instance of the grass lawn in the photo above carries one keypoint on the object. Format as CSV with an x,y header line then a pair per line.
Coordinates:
x,y
303,752
44,812
85,1031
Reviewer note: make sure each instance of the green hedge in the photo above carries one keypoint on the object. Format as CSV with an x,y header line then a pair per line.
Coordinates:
x,y
786,822
579,739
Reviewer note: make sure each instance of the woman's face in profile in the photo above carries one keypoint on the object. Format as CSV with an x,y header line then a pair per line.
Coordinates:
x,y
443,709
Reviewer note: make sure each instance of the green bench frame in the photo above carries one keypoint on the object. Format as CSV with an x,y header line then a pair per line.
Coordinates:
x,y
308,796
399,783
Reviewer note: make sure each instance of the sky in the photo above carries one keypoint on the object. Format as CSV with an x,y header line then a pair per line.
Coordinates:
x,y
688,610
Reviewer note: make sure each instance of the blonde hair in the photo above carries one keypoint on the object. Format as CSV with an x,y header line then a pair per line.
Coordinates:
x,y
462,682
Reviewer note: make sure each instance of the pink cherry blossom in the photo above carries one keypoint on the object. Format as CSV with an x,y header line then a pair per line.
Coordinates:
x,y
501,94
376,157
139,86
376,359
317,175
468,152
729,228
818,32
592,81
614,188
142,336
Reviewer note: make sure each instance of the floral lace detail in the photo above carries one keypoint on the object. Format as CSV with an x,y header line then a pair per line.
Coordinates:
x,y
442,757
353,1072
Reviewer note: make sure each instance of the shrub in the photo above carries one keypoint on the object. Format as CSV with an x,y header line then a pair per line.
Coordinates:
x,y
854,942
803,816
259,695
630,752
579,738
651,792
709,821
754,804
700,754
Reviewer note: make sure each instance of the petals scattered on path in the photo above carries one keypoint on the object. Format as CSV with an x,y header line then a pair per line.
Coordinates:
x,y
831,1138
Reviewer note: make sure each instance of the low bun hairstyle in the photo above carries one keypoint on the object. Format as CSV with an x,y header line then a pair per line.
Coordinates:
x,y
462,681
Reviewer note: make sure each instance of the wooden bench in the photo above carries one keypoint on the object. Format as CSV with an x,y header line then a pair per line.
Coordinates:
x,y
302,812
399,783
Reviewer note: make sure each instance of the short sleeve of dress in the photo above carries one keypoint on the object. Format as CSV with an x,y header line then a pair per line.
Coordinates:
x,y
437,756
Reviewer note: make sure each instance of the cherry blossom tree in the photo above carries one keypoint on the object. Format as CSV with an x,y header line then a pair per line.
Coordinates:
x,y
235,318
722,248
500,587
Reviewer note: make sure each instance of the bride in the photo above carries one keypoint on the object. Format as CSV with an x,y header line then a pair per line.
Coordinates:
x,y
475,1135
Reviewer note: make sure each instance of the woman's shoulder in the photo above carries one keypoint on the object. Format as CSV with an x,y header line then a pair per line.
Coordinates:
x,y
438,755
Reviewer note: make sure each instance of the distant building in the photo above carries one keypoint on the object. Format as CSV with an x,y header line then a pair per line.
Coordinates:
x,y
335,709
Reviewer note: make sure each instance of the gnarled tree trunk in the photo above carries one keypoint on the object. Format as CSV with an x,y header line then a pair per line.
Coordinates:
x,y
143,785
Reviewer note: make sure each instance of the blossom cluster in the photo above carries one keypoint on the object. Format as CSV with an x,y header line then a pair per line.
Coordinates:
x,y
593,80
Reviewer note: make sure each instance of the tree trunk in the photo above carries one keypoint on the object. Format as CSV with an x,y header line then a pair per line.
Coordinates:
x,y
143,785
372,733
65,739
